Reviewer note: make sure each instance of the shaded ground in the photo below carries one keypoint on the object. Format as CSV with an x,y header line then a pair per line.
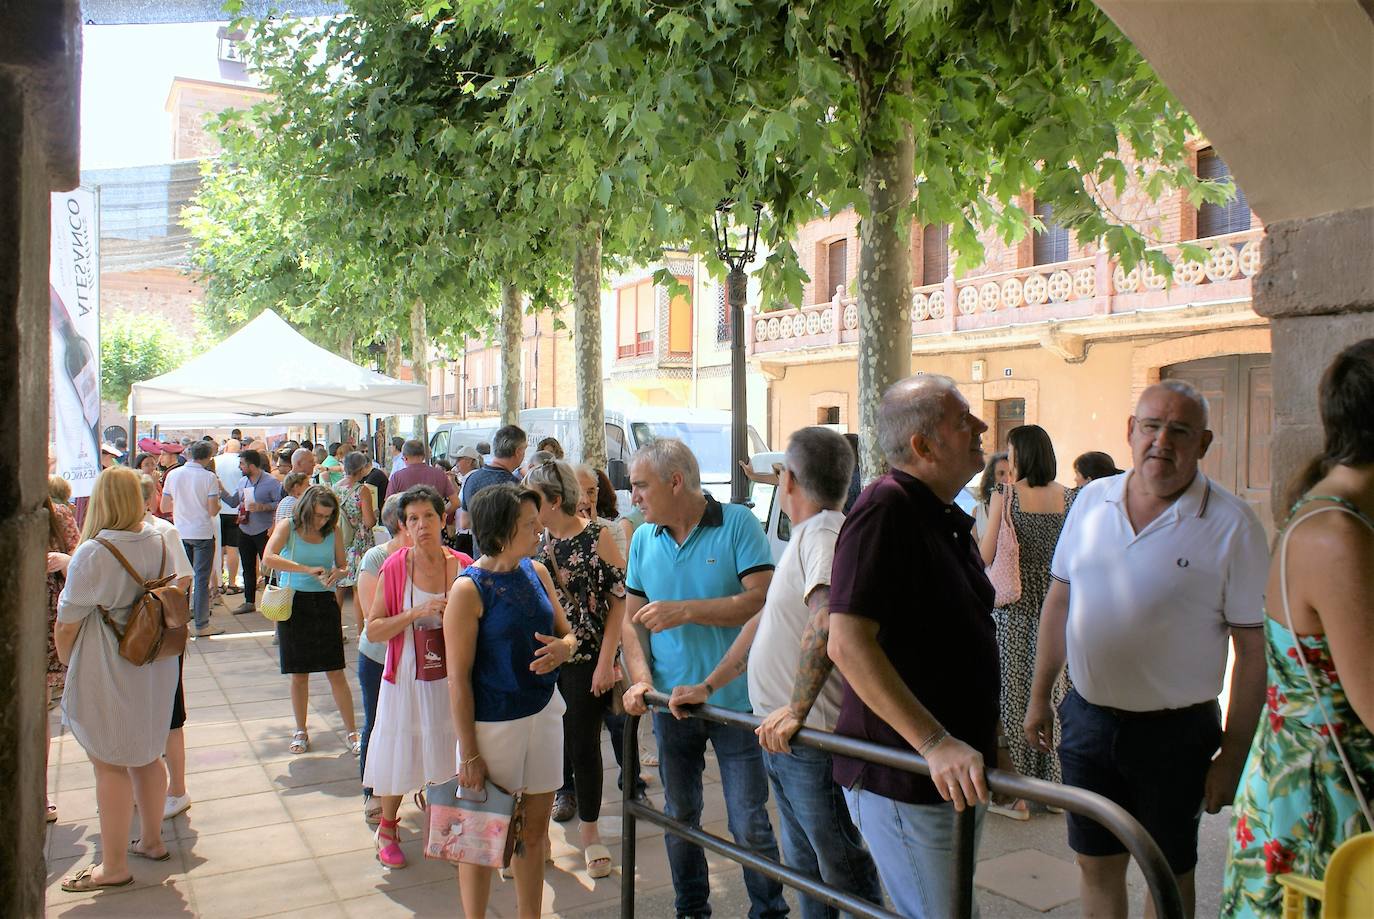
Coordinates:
x,y
270,833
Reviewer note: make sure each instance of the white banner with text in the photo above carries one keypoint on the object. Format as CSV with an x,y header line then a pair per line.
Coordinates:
x,y
74,281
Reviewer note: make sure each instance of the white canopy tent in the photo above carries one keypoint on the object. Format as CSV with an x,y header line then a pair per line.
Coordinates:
x,y
267,370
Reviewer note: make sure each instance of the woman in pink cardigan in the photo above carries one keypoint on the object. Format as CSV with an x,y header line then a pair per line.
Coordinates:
x,y
413,739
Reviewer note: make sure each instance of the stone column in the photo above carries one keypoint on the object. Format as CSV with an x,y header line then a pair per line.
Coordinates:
x,y
1317,290
39,86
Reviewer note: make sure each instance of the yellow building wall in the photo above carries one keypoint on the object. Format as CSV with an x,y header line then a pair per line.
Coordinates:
x,y
1082,406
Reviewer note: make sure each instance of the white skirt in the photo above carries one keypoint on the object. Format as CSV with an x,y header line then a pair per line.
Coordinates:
x,y
413,740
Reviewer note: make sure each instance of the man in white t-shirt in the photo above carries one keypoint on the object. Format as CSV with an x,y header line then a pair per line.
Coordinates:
x,y
231,477
191,495
1155,572
792,681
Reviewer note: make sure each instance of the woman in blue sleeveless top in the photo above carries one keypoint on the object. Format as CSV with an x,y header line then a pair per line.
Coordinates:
x,y
505,637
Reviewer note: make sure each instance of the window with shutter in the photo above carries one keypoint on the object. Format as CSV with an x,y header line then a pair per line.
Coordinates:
x,y
625,322
934,253
680,322
1219,219
1052,243
645,304
837,267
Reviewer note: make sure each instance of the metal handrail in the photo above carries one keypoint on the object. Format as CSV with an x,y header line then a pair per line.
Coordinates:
x,y
1158,876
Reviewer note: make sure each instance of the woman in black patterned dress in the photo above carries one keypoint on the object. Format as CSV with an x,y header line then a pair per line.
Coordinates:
x,y
1038,505
589,573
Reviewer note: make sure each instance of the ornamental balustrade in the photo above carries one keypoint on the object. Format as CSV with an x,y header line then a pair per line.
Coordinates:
x,y
1083,287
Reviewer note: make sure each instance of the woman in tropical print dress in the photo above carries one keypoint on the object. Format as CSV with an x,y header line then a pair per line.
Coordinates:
x,y
1298,800
1038,506
357,507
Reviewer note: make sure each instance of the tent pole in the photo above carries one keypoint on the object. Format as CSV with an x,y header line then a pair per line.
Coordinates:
x,y
133,440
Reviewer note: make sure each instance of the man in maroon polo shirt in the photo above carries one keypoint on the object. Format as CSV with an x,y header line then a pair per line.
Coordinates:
x,y
911,630
417,472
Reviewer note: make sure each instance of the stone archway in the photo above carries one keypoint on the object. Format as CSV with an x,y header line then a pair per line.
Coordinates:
x,y
1293,115
39,86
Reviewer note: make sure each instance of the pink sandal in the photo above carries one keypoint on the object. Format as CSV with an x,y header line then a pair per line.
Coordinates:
x,y
388,842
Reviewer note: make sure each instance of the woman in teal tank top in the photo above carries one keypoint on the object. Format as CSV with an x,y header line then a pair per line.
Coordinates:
x,y
1309,781
310,558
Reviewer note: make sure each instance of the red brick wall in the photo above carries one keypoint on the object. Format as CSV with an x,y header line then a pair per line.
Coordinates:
x,y
162,294
191,102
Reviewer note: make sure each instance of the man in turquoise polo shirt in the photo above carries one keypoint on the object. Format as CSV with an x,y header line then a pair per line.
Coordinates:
x,y
698,571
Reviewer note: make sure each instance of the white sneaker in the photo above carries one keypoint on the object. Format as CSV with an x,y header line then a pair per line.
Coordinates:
x,y
176,804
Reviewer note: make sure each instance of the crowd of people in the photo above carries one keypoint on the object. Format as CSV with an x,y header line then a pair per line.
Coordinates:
x,y
1073,634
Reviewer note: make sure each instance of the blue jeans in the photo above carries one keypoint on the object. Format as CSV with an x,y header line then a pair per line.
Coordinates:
x,y
370,680
818,837
913,845
202,553
682,759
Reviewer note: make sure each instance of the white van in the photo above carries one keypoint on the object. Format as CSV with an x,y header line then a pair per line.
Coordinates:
x,y
705,431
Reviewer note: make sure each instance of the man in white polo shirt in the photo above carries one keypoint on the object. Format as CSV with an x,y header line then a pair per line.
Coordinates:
x,y
1154,572
191,495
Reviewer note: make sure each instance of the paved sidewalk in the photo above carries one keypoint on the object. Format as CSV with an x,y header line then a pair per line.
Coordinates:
x,y
270,833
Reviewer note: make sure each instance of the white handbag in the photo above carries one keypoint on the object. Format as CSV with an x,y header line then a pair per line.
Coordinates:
x,y
276,601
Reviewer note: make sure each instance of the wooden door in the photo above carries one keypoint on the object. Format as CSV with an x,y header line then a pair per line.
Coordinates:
x,y
1239,393
1011,413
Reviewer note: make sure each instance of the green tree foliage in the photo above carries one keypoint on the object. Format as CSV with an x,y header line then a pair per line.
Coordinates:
x,y
925,110
432,151
133,349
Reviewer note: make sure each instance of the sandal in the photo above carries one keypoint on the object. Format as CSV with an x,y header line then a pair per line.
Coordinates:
x,y
1016,810
355,743
388,842
300,742
598,859
372,811
52,812
84,881
135,850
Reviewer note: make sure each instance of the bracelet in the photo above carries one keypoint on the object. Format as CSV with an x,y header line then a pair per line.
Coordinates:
x,y
933,741
470,760
710,690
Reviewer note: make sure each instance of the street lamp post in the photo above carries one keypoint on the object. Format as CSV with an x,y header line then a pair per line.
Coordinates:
x,y
737,259
377,352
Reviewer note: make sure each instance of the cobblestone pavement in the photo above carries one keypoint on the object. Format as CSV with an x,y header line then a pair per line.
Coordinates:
x,y
270,833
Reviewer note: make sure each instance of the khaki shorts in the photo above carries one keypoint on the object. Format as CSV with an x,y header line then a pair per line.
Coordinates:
x,y
526,754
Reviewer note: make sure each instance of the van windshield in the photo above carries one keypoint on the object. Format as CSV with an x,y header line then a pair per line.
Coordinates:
x,y
708,441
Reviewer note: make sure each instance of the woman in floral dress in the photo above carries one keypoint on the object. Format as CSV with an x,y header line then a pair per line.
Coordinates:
x,y
589,574
1309,780
1038,506
357,507
62,539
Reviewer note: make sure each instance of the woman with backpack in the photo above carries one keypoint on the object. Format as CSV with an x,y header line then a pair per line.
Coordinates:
x,y
118,711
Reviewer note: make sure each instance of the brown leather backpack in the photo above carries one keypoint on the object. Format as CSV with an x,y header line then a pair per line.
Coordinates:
x,y
157,620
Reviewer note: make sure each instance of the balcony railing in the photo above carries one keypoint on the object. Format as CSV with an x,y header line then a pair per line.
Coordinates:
x,y
1079,288
641,346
